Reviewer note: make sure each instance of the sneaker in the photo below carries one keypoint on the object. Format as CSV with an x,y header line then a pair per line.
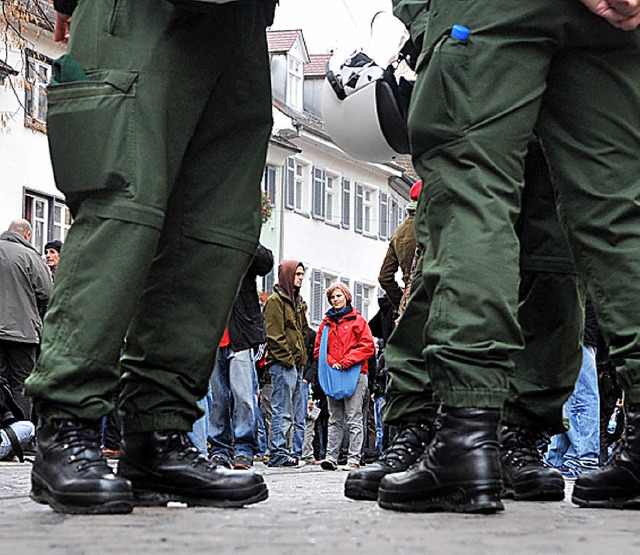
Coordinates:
x,y
327,464
407,445
351,466
71,475
525,475
220,461
165,467
242,463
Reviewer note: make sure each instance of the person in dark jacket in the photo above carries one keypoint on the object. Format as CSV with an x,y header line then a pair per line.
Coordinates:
x,y
287,326
233,425
25,287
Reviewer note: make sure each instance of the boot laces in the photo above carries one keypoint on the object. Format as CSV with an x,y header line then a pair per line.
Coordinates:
x,y
407,443
83,444
185,449
520,446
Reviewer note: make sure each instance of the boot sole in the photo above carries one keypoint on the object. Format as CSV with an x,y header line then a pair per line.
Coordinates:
x,y
606,503
147,497
478,500
80,503
361,490
535,491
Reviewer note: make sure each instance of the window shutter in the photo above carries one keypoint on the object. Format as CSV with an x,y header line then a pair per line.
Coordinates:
x,y
317,294
359,207
345,280
384,216
290,183
318,193
357,295
270,183
393,218
346,203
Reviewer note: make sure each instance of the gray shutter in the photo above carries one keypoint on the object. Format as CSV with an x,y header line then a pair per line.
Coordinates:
x,y
384,216
290,183
346,203
318,193
270,183
317,294
393,218
357,295
359,208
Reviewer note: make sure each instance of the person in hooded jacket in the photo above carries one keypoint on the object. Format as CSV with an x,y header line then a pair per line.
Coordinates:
x,y
349,343
284,313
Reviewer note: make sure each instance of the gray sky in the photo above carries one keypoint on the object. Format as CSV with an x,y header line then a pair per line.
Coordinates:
x,y
330,24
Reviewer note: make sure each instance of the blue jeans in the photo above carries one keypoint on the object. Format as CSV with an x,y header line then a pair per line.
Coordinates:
x,y
199,434
379,403
233,423
578,449
25,432
300,400
284,382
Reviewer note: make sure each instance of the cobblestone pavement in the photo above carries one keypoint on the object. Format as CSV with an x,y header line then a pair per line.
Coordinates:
x,y
307,513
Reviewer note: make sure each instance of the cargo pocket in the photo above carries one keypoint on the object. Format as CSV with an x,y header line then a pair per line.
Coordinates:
x,y
91,128
441,98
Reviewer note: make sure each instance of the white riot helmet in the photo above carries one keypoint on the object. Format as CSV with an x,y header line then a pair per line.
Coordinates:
x,y
364,109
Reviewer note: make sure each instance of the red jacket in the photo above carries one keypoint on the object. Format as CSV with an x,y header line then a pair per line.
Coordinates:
x,y
350,341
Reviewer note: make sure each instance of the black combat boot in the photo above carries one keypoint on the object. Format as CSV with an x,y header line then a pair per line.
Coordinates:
x,y
407,445
71,475
617,484
166,466
459,471
525,476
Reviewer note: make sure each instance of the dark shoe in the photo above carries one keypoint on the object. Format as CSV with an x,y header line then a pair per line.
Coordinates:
x,y
221,461
242,463
166,466
617,484
525,476
327,464
458,472
71,475
286,463
409,443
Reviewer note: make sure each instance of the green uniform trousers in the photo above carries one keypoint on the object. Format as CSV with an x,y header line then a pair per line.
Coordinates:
x,y
159,150
550,314
551,66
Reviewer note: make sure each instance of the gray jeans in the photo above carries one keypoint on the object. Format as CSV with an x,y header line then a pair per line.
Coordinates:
x,y
349,410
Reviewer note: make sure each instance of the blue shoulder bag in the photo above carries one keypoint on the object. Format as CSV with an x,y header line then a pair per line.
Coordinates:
x,y
337,384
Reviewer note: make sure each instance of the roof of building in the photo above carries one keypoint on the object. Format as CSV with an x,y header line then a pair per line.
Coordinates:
x,y
282,41
317,66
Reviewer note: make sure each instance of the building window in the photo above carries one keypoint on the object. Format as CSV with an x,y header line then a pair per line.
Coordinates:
x,y
38,73
330,199
320,282
365,211
346,203
362,298
61,221
294,185
49,217
269,184
318,193
295,76
394,217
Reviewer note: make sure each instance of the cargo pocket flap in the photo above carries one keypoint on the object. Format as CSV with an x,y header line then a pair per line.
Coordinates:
x,y
121,80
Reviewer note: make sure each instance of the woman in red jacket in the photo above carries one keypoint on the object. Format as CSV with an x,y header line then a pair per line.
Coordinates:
x,y
349,342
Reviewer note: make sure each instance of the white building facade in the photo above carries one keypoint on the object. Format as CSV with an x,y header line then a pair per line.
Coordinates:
x,y
329,211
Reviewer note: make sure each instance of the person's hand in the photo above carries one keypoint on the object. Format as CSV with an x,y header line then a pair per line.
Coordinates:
x,y
622,14
337,366
61,28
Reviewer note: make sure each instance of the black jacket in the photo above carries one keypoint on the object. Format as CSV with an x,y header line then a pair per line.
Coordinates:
x,y
247,328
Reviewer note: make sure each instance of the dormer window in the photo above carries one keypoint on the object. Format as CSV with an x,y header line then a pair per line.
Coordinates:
x,y
295,75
